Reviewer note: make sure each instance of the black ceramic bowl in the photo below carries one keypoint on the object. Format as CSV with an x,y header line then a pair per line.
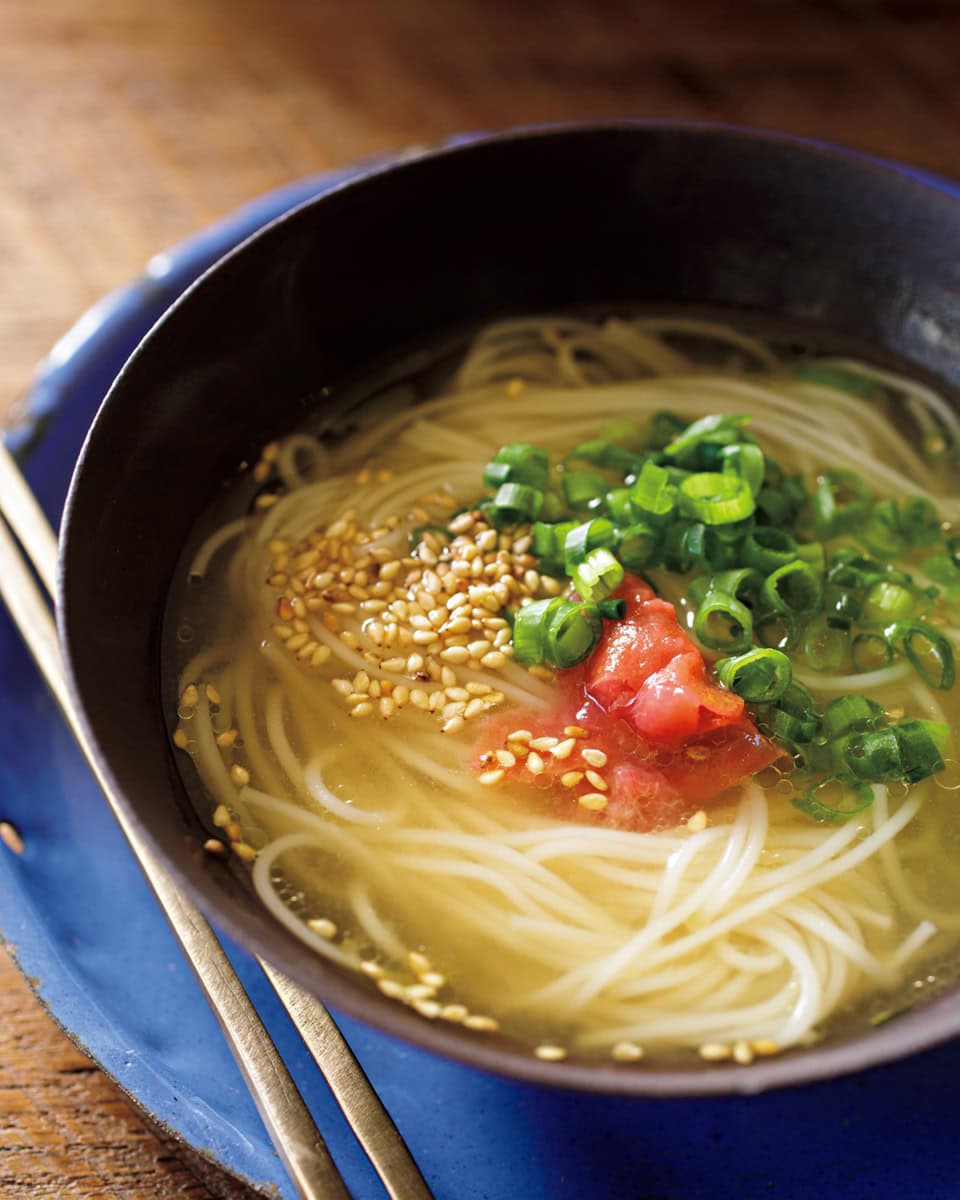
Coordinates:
x,y
615,216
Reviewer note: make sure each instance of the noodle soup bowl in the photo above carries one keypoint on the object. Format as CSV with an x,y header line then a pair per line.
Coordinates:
x,y
404,261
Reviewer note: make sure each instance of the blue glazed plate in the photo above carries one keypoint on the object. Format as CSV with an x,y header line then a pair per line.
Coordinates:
x,y
85,931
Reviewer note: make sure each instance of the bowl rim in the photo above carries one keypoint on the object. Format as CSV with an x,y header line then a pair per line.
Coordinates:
x,y
923,1028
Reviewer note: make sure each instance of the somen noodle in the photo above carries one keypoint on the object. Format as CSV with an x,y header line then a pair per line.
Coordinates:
x,y
335,746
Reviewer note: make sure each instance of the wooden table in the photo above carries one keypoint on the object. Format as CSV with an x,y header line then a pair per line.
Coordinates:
x,y
126,125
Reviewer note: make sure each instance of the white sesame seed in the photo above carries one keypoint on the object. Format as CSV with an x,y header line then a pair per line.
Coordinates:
x,y
387,707
390,988
244,851
453,725
626,1052
549,1053
519,735
425,637
714,1051
495,660
489,778
481,1024
697,822
592,801
371,968
419,698
544,743
597,781
571,778
505,758
322,926
478,649
534,762
742,1053
362,710
765,1046
221,816
563,749
596,758
401,695
239,775
453,1012
576,731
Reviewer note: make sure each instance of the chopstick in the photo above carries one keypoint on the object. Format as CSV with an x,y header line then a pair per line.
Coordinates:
x,y
282,1109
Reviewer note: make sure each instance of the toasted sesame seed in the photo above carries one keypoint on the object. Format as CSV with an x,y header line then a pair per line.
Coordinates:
x,y
320,656
233,831
244,851
427,1008
452,726
419,698
453,1012
714,1051
189,696
505,758
596,781
418,962
226,739
401,695
592,801
221,816
765,1046
371,968
455,654
457,693
576,731
180,739
489,778
595,758
239,775
391,988
433,979
387,707
571,778
481,1024
364,709
535,764
550,1053
11,838
297,641
425,637
215,847
742,1053
343,686
626,1052
322,926
519,735
421,991
212,694
697,822
563,749
494,661
544,743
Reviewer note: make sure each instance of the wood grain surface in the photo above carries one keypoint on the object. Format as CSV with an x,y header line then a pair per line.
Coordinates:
x,y
126,125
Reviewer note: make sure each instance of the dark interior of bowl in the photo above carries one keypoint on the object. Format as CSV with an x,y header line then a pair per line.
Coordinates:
x,y
614,216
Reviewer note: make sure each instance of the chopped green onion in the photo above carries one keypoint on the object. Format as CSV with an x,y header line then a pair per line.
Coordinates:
x,y
942,568
606,454
597,575
638,546
723,622
789,728
851,714
779,631
919,521
515,503
716,499
841,602
746,460
870,652
840,501
886,602
835,798
760,676
721,428
922,744
929,652
773,507
794,588
874,755
583,490
555,631
813,555
826,644
624,433
518,462
684,545
881,533
767,548
573,631
618,505
653,495
797,701
583,538
613,610
664,427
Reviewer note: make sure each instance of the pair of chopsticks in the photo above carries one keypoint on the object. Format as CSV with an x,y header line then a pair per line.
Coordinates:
x,y
282,1109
